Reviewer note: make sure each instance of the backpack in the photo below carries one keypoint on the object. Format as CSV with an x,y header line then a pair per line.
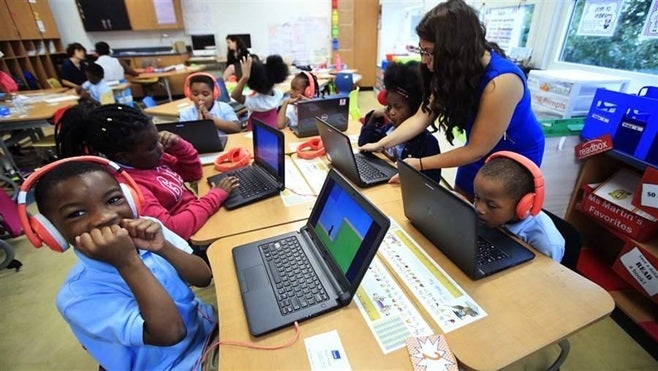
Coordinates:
x,y
7,83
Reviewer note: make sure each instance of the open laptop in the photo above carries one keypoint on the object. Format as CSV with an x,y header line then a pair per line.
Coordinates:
x,y
299,275
331,109
265,177
451,224
202,134
364,169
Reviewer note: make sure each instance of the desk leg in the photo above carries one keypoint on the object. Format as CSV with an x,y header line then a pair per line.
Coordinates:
x,y
7,154
166,82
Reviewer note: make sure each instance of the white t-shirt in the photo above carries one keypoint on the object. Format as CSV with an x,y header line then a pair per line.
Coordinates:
x,y
261,102
112,68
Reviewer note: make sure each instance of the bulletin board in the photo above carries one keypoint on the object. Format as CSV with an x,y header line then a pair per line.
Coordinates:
x,y
298,30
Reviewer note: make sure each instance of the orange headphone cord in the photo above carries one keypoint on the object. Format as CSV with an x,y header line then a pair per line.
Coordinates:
x,y
300,194
251,345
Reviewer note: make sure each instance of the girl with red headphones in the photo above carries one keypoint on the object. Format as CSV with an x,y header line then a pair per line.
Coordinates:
x,y
303,86
159,162
202,89
402,97
509,191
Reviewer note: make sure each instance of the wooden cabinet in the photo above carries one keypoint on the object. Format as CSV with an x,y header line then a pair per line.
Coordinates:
x,y
357,37
144,15
602,247
29,39
106,15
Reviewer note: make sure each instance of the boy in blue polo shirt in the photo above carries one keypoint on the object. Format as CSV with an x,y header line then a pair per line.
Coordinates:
x,y
95,89
127,299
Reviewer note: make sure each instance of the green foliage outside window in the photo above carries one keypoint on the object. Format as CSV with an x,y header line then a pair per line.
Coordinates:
x,y
627,49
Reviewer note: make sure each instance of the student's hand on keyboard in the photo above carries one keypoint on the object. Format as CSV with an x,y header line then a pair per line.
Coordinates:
x,y
228,184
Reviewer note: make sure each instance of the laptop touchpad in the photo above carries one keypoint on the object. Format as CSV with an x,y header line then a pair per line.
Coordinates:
x,y
253,278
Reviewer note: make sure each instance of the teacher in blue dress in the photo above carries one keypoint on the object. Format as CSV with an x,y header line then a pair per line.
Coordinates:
x,y
469,86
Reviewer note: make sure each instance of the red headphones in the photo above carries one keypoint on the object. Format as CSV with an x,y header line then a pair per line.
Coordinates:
x,y
40,230
312,148
216,92
311,89
233,159
381,97
530,203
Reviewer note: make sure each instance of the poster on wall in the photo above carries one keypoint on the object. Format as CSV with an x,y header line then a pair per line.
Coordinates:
x,y
504,25
650,28
302,41
599,18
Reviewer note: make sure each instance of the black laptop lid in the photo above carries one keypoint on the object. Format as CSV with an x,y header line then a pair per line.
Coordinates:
x,y
269,149
447,220
202,134
348,229
334,110
339,150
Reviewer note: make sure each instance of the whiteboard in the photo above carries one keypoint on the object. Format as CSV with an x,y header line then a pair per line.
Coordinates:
x,y
298,30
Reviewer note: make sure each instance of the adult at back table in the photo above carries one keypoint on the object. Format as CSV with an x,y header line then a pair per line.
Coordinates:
x,y
479,92
114,68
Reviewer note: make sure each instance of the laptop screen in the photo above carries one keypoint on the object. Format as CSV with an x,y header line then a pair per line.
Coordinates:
x,y
267,148
345,228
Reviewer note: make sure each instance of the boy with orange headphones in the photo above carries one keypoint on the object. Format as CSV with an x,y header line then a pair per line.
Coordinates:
x,y
303,86
127,299
201,88
509,192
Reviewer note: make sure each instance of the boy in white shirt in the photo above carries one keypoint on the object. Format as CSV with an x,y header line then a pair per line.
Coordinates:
x,y
95,89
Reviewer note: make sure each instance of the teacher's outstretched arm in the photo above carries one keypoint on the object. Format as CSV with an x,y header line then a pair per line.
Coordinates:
x,y
411,127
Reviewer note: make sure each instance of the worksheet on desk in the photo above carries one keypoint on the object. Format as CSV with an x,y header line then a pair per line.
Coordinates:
x,y
297,190
389,314
314,170
441,297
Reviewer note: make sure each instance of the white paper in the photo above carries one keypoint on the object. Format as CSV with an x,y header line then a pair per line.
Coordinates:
x,y
641,269
326,352
649,195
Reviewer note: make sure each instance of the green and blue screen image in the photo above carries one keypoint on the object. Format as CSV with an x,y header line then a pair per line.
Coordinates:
x,y
342,227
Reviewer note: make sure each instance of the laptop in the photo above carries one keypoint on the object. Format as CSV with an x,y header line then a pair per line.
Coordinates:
x,y
265,177
331,109
302,274
451,224
364,169
201,133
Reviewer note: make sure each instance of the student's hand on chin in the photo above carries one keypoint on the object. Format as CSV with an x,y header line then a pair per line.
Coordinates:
x,y
111,245
167,139
146,234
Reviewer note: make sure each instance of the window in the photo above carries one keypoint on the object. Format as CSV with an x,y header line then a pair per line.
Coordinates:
x,y
618,34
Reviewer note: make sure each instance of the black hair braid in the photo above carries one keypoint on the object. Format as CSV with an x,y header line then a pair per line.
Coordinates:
x,y
103,131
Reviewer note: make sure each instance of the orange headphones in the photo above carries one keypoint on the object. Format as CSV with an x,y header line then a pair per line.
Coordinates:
x,y
530,203
311,90
233,159
312,148
39,230
216,92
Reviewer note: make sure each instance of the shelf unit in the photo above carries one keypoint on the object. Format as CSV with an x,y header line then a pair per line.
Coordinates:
x,y
602,247
29,40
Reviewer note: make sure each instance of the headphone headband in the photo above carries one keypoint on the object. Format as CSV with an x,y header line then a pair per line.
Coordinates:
x,y
34,227
187,89
312,90
531,203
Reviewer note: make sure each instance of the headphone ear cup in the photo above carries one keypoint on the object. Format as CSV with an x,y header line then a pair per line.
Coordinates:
x,y
311,149
48,234
525,206
130,194
233,159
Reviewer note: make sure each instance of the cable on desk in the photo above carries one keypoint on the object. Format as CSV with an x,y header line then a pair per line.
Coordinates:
x,y
299,193
247,344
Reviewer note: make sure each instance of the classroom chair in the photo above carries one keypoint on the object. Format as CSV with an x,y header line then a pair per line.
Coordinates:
x,y
148,101
573,243
54,83
344,82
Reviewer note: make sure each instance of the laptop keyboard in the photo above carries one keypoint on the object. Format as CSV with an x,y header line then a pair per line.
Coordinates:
x,y
296,284
252,182
488,253
366,170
